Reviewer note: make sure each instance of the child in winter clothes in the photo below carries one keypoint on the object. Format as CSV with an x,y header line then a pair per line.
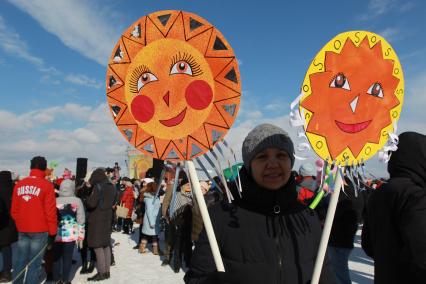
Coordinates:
x,y
151,220
71,219
128,200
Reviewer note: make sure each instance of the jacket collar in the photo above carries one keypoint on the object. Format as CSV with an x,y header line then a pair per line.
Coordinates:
x,y
268,202
37,173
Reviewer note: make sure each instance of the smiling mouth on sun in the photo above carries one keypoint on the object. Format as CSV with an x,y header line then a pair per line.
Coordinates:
x,y
353,128
174,120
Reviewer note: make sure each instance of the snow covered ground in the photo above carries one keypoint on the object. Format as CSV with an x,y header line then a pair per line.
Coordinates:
x,y
361,266
132,267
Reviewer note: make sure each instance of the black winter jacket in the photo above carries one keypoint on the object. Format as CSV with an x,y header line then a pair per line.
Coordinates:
x,y
394,232
99,205
348,213
258,245
8,233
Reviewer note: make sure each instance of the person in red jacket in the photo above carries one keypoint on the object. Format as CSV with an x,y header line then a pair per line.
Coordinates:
x,y
306,185
34,212
128,199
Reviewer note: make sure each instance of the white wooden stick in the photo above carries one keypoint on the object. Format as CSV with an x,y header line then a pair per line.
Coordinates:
x,y
327,227
205,215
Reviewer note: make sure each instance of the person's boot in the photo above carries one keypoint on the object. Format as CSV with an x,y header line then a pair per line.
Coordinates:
x,y
155,248
165,262
84,268
107,275
91,267
142,247
97,277
5,276
177,263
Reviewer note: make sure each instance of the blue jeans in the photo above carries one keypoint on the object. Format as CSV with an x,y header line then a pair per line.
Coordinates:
x,y
339,258
29,246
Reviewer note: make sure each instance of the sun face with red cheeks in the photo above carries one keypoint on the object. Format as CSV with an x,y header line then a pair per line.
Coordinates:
x,y
352,96
173,85
169,93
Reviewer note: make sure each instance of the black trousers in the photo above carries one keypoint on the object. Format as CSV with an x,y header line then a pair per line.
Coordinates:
x,y
6,251
85,250
62,261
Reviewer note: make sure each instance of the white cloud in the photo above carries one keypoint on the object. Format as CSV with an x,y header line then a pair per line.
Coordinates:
x,y
80,25
9,122
415,97
43,117
83,80
406,7
98,139
390,34
254,114
379,7
273,107
12,44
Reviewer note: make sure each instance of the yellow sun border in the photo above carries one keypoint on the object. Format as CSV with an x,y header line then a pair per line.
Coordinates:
x,y
319,143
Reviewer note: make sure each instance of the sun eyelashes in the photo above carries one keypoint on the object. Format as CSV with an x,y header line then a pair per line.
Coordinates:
x,y
187,65
140,77
182,63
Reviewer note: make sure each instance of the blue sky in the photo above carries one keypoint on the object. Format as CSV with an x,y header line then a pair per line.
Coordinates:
x,y
53,57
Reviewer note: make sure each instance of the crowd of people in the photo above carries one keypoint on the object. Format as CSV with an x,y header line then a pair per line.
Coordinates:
x,y
268,234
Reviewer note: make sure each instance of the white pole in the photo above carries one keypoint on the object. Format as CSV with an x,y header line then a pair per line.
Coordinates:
x,y
205,215
327,227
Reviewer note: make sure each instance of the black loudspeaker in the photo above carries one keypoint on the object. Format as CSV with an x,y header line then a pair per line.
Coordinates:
x,y
157,167
81,170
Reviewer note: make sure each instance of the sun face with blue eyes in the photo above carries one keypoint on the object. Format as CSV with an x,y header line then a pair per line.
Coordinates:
x,y
173,85
170,93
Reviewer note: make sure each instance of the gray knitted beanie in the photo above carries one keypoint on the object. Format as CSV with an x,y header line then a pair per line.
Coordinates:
x,y
266,136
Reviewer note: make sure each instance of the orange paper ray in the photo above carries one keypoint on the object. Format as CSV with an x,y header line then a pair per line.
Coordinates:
x,y
136,31
230,76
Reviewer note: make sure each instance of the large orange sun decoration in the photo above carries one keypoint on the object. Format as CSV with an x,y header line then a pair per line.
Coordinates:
x,y
352,97
173,85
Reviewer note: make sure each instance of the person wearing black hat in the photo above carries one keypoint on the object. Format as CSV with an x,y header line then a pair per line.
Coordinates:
x,y
8,233
266,236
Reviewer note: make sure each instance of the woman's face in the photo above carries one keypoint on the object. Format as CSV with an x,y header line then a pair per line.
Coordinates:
x,y
271,168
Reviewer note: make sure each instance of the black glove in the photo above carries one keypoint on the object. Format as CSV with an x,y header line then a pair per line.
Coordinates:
x,y
50,242
222,278
249,273
163,223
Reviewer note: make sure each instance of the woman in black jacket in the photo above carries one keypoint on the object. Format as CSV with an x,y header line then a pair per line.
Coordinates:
x,y
266,236
8,234
99,205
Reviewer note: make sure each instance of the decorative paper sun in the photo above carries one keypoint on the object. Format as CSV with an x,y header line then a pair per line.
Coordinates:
x,y
352,96
173,85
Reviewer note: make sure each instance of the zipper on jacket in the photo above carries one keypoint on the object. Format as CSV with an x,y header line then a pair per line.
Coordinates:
x,y
280,261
